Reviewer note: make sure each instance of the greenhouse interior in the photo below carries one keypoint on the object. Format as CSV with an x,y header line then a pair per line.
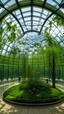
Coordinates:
x,y
32,56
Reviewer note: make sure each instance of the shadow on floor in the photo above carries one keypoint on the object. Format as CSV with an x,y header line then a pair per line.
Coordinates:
x,y
15,109
6,108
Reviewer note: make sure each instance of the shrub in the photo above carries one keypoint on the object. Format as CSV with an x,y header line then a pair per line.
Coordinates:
x,y
35,86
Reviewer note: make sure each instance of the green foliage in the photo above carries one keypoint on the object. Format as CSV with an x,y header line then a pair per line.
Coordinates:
x,y
36,75
58,20
29,72
34,92
49,40
51,54
30,68
35,86
12,30
15,51
51,48
2,40
24,66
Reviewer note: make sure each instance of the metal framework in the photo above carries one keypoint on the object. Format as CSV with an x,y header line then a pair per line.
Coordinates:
x,y
31,16
32,4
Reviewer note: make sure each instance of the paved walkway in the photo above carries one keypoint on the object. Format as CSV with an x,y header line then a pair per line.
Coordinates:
x,y
15,109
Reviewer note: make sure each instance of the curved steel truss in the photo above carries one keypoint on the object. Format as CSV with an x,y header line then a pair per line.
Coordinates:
x,y
30,16
30,12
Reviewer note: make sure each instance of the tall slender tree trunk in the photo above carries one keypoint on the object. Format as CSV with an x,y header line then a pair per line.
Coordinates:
x,y
53,72
24,68
49,69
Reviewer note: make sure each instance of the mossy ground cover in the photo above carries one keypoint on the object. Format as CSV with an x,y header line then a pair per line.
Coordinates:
x,y
33,92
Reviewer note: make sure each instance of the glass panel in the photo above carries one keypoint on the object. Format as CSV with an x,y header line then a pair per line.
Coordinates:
x,y
51,2
28,23
36,14
35,23
11,2
29,27
17,12
28,18
1,10
35,18
27,14
26,9
37,9
59,1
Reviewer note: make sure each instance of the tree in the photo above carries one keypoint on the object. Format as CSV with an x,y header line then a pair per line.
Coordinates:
x,y
2,38
51,53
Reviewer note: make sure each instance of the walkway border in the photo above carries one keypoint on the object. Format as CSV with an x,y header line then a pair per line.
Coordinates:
x,y
32,104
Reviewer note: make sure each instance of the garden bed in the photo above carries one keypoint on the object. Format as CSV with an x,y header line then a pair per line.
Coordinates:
x,y
33,93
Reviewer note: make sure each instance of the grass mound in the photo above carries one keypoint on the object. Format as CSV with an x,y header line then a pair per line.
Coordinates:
x,y
33,92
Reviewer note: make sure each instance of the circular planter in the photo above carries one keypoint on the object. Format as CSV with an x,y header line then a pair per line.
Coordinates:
x,y
32,104
29,103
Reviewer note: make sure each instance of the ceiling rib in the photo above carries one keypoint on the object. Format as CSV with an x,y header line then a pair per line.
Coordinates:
x,y
27,4
41,13
31,15
20,12
32,4
13,16
48,18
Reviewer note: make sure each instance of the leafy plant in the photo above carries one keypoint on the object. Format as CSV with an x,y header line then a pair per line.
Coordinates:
x,y
2,38
59,21
51,54
33,92
35,86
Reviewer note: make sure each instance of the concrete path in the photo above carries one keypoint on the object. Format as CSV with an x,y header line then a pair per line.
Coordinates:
x,y
15,109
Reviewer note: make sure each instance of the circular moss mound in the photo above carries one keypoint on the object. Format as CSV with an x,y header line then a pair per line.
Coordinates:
x,y
33,92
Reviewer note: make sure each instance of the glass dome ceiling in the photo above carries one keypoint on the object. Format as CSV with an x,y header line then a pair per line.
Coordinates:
x,y
29,20
33,16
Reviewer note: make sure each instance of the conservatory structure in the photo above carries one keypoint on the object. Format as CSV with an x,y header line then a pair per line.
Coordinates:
x,y
32,56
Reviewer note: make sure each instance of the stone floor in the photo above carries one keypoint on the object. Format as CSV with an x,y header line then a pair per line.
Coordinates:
x,y
15,109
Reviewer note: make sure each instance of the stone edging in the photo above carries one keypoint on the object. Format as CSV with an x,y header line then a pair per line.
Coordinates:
x,y
32,104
